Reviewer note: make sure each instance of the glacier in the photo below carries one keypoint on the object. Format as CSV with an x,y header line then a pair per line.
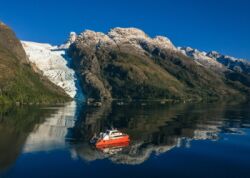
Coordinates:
x,y
55,64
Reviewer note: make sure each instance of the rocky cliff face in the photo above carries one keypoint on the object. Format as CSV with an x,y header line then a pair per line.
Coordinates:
x,y
18,81
126,63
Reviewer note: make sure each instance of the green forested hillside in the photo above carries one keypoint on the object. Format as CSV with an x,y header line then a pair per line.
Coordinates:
x,y
19,83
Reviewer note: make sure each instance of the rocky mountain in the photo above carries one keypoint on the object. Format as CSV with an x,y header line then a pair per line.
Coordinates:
x,y
20,81
126,63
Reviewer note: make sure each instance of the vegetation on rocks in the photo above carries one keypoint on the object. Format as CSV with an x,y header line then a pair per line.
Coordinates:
x,y
127,64
19,83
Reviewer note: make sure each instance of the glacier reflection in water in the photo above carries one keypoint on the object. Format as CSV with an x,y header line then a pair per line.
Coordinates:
x,y
164,135
53,132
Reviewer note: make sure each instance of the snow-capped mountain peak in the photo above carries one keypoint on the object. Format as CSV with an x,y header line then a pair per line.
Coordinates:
x,y
213,54
216,61
71,39
122,37
232,63
128,33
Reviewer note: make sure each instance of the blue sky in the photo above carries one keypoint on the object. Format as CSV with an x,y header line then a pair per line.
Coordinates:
x,y
222,25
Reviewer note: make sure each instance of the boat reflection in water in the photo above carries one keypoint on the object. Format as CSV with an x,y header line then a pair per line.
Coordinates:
x,y
153,130
114,148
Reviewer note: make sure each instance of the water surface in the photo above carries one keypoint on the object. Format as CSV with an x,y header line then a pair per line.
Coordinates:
x,y
182,140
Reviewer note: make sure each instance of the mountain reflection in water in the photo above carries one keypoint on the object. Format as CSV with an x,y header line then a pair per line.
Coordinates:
x,y
153,129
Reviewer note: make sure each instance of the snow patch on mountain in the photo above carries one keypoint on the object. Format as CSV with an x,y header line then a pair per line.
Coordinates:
x,y
118,37
235,64
216,61
55,65
71,39
136,36
201,58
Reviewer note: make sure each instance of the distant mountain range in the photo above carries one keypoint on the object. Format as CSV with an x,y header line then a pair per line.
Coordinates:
x,y
215,60
127,64
235,69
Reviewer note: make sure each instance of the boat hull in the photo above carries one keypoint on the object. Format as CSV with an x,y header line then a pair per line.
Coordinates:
x,y
110,142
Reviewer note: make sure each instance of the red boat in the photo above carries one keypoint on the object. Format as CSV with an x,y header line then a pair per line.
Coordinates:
x,y
109,138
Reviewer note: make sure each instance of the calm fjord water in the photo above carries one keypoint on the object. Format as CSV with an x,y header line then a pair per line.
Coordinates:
x,y
184,140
